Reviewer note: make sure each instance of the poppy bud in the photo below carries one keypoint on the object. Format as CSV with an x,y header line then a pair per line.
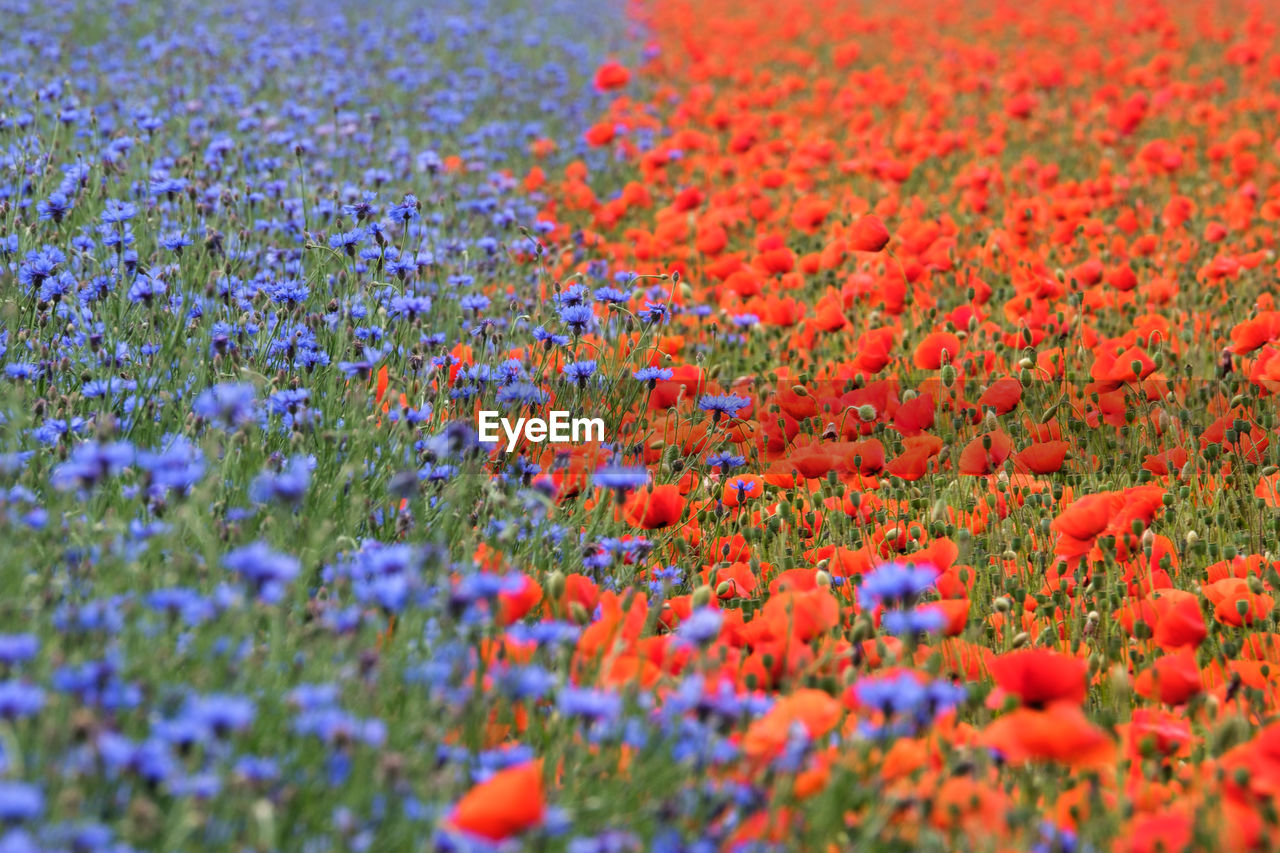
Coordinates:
x,y
701,597
1120,686
264,818
948,375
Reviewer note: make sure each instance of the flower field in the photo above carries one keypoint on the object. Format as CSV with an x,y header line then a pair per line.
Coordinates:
x,y
936,348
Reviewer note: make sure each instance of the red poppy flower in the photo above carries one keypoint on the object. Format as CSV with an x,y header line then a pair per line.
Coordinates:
x,y
1039,676
869,235
611,75
1059,733
650,509
508,803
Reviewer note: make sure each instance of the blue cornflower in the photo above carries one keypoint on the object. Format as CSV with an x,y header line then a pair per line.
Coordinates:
x,y
907,703
701,627
611,295
589,703
266,570
116,211
54,207
228,404
362,369
55,287
38,265
656,312
548,339
22,370
1054,839
722,405
347,241
221,713
575,294
288,486
362,209
146,288
525,682
288,402
177,465
90,463
18,648
726,460
522,394
19,699
288,292
409,307
309,697
577,317
20,801
653,375
579,371
891,694
910,622
255,768
893,584
621,479
174,241
406,211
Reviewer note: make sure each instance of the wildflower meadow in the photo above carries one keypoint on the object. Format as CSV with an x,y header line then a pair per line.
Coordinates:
x,y
639,425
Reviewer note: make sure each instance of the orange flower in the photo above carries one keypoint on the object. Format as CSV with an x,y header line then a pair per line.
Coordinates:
x,y
1060,733
1172,680
869,235
1040,677
650,509
508,803
1234,603
815,710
